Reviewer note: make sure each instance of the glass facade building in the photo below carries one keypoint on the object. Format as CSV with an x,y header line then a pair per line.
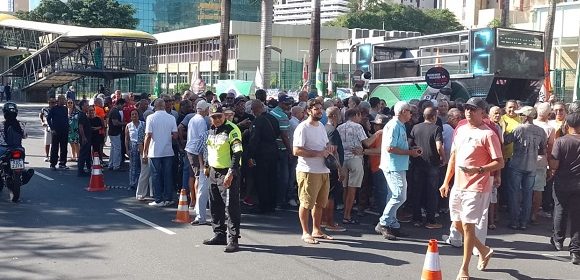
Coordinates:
x,y
157,16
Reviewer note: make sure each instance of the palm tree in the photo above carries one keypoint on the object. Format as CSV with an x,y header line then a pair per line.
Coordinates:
x,y
265,40
226,6
505,13
314,43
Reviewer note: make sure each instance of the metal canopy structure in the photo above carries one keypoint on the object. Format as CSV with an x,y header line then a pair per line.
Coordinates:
x,y
60,54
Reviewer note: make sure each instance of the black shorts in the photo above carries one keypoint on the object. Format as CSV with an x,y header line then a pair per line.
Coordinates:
x,y
335,186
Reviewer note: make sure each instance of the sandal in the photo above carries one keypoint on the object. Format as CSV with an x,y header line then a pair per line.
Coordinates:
x,y
482,265
309,240
335,228
350,221
323,236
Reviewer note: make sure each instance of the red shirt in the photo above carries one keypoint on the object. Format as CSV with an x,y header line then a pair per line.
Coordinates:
x,y
127,108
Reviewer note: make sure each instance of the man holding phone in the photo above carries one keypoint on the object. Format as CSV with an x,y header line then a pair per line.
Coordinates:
x,y
475,153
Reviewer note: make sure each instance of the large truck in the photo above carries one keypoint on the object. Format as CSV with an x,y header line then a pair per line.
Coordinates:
x,y
497,64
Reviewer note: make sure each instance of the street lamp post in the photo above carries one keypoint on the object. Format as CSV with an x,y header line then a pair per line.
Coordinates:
x,y
279,51
210,70
350,50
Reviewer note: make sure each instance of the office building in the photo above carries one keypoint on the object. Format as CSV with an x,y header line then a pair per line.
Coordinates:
x,y
166,15
182,54
12,6
299,11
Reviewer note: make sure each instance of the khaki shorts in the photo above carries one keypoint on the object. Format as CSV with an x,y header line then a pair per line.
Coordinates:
x,y
540,182
467,207
313,189
356,172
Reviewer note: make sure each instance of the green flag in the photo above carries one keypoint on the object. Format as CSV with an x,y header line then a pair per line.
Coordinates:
x,y
157,87
319,82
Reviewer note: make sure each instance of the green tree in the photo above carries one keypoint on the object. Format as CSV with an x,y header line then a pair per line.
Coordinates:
x,y
494,23
87,13
379,15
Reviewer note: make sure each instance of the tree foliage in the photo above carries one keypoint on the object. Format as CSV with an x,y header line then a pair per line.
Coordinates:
x,y
374,14
87,13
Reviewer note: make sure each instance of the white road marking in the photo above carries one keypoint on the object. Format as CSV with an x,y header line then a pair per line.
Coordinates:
x,y
153,225
43,176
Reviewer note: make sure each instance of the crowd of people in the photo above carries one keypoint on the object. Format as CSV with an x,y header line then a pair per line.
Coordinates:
x,y
411,162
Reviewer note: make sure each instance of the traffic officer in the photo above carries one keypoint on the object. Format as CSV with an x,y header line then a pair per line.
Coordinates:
x,y
224,149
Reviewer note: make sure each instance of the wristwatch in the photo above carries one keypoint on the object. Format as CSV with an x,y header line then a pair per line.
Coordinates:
x,y
480,170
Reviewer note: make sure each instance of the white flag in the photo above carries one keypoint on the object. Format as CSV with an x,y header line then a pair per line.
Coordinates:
x,y
259,80
330,78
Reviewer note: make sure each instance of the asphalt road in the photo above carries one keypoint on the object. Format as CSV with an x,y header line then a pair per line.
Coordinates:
x,y
61,231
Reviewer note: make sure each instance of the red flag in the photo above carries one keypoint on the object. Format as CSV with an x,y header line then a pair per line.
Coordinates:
x,y
547,82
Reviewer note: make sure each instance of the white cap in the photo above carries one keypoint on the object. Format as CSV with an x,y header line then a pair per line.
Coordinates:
x,y
202,105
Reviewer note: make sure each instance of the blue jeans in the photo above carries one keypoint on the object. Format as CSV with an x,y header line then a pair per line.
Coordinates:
x,y
397,184
162,178
185,174
283,177
520,196
380,189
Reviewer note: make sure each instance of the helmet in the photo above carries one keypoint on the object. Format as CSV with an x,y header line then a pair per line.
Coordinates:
x,y
10,107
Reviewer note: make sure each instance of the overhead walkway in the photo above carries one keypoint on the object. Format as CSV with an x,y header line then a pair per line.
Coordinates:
x,y
59,54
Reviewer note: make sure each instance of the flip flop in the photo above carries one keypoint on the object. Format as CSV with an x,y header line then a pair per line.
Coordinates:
x,y
323,236
482,265
309,240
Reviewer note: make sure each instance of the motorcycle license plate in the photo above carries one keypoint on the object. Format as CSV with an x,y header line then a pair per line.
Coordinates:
x,y
16,164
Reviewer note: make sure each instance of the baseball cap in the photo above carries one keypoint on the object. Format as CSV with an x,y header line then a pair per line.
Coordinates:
x,y
239,99
215,109
202,105
380,119
285,99
527,111
477,102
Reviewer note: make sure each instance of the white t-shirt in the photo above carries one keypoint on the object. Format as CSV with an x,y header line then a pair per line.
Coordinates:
x,y
550,130
161,125
195,129
312,138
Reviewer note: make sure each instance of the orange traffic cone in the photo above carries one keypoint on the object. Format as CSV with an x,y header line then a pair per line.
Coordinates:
x,y
97,182
182,215
432,267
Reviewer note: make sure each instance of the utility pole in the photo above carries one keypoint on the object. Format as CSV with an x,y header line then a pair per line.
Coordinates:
x,y
314,43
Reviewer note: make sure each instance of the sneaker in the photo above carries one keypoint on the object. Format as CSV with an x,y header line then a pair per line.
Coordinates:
x,y
335,228
398,233
216,240
46,159
53,168
386,232
232,247
169,203
293,202
433,226
63,167
340,207
157,204
248,201
452,243
575,258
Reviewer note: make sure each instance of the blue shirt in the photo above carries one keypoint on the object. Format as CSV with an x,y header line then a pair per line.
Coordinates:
x,y
394,135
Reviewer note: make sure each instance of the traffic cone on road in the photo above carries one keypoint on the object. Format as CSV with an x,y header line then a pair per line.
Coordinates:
x,y
182,215
97,182
432,267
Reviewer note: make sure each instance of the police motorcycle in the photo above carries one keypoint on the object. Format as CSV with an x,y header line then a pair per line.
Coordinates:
x,y
13,174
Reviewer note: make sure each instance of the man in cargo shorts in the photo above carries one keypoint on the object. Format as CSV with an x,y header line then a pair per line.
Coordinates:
x,y
475,154
311,146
